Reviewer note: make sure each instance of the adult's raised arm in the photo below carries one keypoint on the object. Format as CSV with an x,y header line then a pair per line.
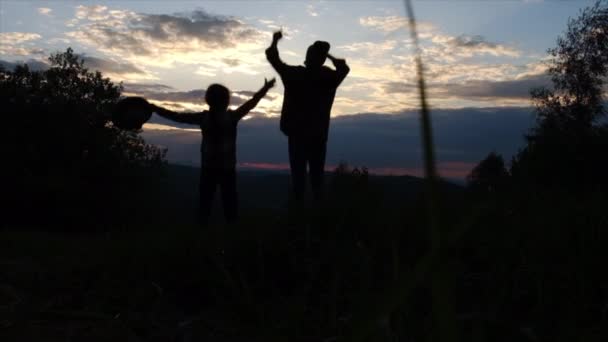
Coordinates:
x,y
272,54
342,68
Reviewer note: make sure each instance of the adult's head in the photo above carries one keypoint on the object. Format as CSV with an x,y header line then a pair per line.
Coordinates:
x,y
316,54
217,97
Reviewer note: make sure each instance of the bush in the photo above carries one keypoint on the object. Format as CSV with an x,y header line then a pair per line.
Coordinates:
x,y
65,161
567,147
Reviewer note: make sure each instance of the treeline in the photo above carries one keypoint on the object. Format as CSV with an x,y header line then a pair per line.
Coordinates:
x,y
64,162
567,150
541,222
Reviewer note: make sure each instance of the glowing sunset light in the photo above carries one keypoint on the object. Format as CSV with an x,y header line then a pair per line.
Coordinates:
x,y
480,57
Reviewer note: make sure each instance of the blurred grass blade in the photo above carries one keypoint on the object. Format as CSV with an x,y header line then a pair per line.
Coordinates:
x,y
367,318
430,172
442,285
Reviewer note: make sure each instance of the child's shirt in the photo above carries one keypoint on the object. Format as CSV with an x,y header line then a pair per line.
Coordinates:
x,y
218,149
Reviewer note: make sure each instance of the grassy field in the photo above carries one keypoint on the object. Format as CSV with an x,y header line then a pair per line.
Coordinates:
x,y
525,268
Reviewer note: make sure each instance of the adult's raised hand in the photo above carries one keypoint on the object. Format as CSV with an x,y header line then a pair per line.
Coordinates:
x,y
277,35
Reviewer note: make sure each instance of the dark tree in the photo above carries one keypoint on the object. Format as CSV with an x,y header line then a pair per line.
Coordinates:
x,y
578,69
64,160
568,145
489,176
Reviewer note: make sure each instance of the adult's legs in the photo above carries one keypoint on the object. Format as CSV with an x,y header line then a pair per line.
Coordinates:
x,y
316,158
297,164
207,185
229,194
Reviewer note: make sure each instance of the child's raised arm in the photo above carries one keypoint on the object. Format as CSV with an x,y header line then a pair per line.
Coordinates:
x,y
188,118
251,103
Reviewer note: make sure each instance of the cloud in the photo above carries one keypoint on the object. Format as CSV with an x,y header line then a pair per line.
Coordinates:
x,y
390,85
270,24
393,141
310,9
471,41
454,66
389,24
163,127
110,67
143,88
17,37
19,44
516,89
386,24
371,49
467,46
214,43
214,30
509,89
398,87
191,100
136,31
386,143
117,71
459,72
441,44
33,65
166,96
92,13
57,40
44,11
195,96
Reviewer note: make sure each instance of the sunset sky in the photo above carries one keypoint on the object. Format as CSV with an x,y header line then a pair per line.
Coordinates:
x,y
481,59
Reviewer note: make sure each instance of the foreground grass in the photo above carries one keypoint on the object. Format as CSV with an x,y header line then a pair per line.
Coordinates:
x,y
529,269
135,285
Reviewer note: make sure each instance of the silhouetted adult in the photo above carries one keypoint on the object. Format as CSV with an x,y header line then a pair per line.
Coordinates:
x,y
309,95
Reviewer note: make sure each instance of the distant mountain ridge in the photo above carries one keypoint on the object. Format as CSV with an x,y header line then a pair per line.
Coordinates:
x,y
270,189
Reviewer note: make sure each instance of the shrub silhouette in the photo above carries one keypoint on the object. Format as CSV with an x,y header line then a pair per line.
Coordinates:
x,y
567,146
65,161
489,176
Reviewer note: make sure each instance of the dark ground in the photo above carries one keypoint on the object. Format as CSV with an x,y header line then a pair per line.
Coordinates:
x,y
525,270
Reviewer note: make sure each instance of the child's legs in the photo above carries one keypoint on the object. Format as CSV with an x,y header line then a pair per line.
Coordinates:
x,y
208,183
229,194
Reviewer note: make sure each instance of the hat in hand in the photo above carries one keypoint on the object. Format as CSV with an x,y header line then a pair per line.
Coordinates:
x,y
131,113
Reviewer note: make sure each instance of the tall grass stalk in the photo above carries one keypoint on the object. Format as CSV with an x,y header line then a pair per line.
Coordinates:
x,y
432,266
444,315
430,171
442,285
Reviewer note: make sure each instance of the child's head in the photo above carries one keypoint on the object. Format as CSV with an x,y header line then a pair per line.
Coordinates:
x,y
217,97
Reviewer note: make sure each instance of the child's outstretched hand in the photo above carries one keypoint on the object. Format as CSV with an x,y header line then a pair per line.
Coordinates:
x,y
269,84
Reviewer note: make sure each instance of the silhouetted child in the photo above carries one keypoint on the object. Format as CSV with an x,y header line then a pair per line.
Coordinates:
x,y
218,149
